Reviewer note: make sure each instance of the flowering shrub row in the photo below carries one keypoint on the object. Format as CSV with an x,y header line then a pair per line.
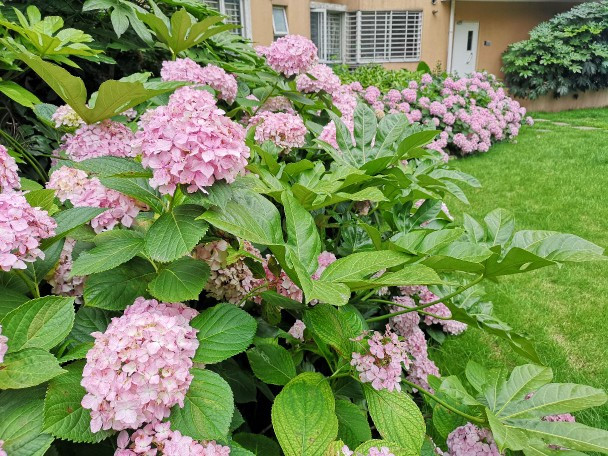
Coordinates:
x,y
238,262
472,112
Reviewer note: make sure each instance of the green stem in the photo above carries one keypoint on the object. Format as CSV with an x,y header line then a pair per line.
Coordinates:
x,y
25,154
266,97
411,309
424,306
33,286
252,293
471,418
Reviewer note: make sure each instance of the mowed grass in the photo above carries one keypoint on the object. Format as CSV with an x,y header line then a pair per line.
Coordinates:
x,y
551,178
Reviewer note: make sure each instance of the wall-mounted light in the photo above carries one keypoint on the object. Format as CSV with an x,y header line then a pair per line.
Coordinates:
x,y
433,2
435,12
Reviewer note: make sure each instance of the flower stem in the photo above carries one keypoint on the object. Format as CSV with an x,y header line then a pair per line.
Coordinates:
x,y
33,286
424,306
474,419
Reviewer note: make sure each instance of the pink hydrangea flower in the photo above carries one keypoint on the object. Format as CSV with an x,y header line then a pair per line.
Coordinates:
x,y
228,282
297,330
425,296
22,227
291,55
157,439
181,70
564,417
324,259
140,366
426,79
382,364
62,281
325,79
76,186
190,141
9,179
278,104
373,451
103,139
285,130
2,452
469,440
282,284
4,345
65,116
219,80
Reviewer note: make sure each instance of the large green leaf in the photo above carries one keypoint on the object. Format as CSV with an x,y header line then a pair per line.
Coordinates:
x,y
397,418
302,233
70,219
334,326
113,97
18,94
272,364
89,320
175,233
10,300
366,124
378,444
303,416
575,436
182,280
39,323
557,246
208,407
258,444
353,427
118,288
64,416
360,265
117,247
42,266
553,399
249,216
523,380
411,274
500,225
22,413
28,367
223,331
136,187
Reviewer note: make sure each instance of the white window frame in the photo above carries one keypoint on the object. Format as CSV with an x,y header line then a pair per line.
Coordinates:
x,y
387,40
274,27
245,22
324,8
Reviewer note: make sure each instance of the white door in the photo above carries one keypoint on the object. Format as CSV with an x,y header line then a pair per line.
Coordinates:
x,y
464,57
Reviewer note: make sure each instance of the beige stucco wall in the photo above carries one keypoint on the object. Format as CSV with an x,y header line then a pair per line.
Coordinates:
x,y
503,23
434,26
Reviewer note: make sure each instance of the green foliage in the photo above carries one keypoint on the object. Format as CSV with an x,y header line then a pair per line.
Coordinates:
x,y
377,75
564,55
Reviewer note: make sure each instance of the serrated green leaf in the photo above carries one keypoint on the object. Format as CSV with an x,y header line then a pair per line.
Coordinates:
x,y
224,331
64,416
39,323
303,416
117,288
302,233
393,448
21,424
258,444
28,367
397,418
175,233
182,280
353,427
500,225
334,326
136,187
88,320
575,436
122,246
208,407
11,299
360,265
272,364
523,380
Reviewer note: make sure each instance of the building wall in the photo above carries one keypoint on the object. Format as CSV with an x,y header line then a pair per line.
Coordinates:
x,y
503,23
434,26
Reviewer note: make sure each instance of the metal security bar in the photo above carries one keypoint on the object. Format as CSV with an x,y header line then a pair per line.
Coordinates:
x,y
327,32
232,9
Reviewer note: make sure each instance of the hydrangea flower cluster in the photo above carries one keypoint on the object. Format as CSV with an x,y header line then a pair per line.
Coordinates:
x,y
65,116
324,259
564,417
290,55
62,282
282,284
381,365
228,282
472,112
22,227
190,141
140,366
297,330
3,345
325,79
157,439
76,186
373,451
469,440
104,139
285,130
2,452
345,99
407,326
9,179
425,296
211,75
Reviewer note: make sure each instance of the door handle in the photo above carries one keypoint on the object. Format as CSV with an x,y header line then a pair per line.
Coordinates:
x,y
470,57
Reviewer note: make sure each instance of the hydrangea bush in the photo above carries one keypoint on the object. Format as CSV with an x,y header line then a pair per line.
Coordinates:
x,y
212,273
471,112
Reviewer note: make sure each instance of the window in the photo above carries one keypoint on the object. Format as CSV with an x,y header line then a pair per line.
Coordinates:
x,y
383,36
233,10
279,21
326,31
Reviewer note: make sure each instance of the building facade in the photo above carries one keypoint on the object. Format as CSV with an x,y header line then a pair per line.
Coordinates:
x,y
457,35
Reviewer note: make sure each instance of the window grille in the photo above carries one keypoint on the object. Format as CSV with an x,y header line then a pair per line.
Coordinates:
x,y
383,36
232,9
327,32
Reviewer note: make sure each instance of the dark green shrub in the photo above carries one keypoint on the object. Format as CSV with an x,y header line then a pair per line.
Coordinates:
x,y
567,54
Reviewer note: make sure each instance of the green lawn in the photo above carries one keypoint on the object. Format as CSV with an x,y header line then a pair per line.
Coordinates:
x,y
551,178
